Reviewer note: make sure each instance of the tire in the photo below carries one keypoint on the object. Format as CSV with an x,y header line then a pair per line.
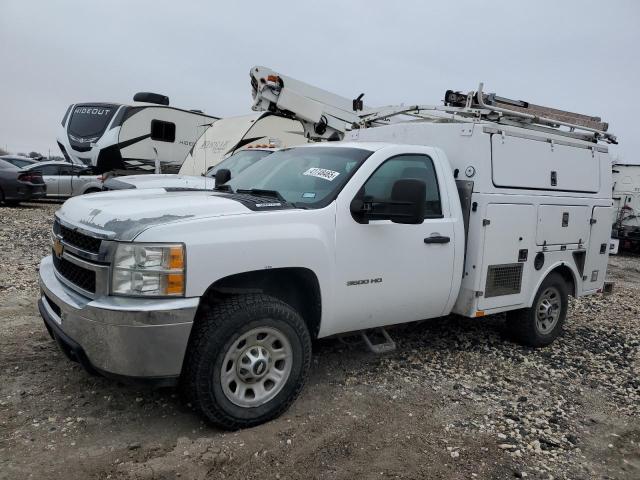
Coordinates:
x,y
539,325
12,203
258,332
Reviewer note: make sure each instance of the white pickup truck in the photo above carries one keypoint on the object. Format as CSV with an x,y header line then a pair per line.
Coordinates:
x,y
224,291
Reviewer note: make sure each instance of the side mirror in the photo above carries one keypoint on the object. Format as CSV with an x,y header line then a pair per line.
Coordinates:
x,y
222,176
408,201
407,204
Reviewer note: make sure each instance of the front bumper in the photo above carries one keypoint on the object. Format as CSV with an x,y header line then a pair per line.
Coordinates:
x,y
142,339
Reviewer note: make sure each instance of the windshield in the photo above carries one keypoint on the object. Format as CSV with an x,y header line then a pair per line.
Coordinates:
x,y
90,120
303,176
237,162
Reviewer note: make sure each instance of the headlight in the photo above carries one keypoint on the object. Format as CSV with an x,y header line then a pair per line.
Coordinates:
x,y
148,269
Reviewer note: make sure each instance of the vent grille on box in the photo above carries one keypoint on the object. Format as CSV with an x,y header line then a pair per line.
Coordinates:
x,y
503,279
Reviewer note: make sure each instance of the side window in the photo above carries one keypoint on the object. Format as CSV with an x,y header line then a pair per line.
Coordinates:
x,y
66,170
49,169
380,184
163,131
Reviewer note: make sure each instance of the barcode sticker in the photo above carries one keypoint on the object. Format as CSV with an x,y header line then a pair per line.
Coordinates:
x,y
322,173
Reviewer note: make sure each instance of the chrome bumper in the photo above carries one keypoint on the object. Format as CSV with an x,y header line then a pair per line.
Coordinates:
x,y
128,337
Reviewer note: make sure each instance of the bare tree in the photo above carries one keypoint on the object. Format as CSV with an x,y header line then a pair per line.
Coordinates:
x,y
35,155
3,152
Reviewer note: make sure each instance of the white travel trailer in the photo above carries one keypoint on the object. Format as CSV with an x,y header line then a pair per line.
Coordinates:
x,y
136,137
232,134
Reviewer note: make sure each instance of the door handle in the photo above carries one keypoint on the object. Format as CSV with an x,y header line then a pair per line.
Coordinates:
x,y
437,239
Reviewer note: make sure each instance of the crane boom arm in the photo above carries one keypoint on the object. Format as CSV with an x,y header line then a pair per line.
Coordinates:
x,y
327,116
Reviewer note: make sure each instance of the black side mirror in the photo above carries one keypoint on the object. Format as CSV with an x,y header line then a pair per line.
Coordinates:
x,y
222,176
407,204
408,200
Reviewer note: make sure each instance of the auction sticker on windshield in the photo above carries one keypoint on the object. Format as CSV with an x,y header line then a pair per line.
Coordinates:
x,y
322,173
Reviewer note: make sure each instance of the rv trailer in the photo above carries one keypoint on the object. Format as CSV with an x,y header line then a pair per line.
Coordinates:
x,y
229,135
142,137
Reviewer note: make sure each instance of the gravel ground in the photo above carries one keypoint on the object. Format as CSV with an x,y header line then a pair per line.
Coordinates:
x,y
456,399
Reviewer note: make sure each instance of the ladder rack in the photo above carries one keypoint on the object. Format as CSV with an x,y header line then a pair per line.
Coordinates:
x,y
327,116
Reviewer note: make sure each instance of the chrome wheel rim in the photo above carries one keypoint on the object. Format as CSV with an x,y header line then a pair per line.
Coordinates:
x,y
256,367
548,310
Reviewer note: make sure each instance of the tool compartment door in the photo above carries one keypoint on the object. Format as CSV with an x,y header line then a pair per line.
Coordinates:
x,y
531,164
595,265
511,231
563,224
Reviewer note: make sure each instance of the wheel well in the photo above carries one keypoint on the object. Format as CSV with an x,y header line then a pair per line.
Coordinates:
x,y
567,274
297,287
91,190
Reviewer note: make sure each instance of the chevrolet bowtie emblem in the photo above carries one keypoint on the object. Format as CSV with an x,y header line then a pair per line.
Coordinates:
x,y
58,248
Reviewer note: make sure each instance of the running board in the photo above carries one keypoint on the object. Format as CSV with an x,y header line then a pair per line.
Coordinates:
x,y
388,345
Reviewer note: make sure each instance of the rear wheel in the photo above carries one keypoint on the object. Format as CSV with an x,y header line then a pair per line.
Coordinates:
x,y
248,360
543,322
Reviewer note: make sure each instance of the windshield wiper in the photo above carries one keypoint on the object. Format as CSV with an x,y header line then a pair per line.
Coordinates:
x,y
272,194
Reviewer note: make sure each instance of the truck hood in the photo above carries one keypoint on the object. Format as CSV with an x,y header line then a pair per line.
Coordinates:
x,y
159,181
124,214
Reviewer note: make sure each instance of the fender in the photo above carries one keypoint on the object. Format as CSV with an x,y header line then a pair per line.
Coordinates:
x,y
546,270
221,247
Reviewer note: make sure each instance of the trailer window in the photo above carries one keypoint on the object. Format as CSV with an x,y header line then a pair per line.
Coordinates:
x,y
381,182
163,131
90,120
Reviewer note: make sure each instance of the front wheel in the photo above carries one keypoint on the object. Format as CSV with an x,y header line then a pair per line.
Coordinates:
x,y
543,322
248,360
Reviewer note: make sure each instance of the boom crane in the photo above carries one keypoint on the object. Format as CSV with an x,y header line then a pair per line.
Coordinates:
x,y
327,116
324,115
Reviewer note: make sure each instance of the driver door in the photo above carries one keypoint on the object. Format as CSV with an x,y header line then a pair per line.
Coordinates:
x,y
387,272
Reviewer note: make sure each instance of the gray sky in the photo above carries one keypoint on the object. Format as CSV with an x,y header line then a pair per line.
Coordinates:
x,y
575,55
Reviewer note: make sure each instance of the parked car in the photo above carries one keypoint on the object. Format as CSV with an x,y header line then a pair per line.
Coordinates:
x,y
17,185
18,160
64,179
236,163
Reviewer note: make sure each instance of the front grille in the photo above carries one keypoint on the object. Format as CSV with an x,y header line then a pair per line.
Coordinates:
x,y
77,239
505,279
83,278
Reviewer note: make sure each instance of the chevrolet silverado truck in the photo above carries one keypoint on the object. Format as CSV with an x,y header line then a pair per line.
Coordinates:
x,y
224,291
